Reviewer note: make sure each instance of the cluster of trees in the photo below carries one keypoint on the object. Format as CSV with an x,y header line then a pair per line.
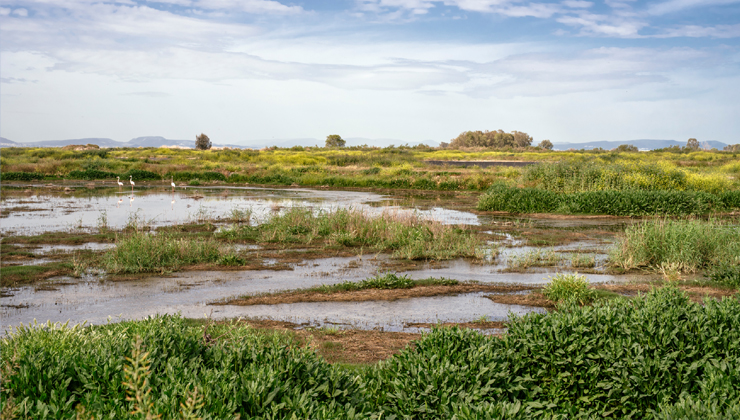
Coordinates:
x,y
202,142
493,139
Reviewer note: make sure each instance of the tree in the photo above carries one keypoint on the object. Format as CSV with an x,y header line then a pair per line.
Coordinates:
x,y
627,148
494,139
545,144
335,140
693,144
732,148
202,142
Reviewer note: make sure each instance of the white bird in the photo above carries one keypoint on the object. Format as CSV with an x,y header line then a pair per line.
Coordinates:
x,y
118,179
131,180
120,200
173,184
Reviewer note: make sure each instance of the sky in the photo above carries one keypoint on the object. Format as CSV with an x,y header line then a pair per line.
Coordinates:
x,y
413,70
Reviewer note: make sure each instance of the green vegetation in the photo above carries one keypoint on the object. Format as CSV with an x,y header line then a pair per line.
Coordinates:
x,y
142,252
569,287
726,274
16,275
21,176
386,281
656,356
406,236
393,167
501,197
686,245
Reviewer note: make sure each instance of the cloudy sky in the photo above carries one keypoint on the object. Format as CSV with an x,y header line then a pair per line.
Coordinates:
x,y
241,70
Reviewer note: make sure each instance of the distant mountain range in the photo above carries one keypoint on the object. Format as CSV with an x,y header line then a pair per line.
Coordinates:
x,y
149,141
157,141
642,144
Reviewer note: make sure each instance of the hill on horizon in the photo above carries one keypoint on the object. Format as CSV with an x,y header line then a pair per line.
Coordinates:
x,y
642,144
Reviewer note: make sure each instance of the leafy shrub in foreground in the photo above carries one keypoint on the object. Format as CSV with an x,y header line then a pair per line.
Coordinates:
x,y
615,359
656,356
254,375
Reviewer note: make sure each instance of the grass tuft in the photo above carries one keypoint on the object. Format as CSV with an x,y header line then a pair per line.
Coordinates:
x,y
569,288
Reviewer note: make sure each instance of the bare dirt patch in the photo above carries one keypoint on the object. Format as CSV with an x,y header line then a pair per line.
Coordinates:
x,y
371,294
530,299
474,325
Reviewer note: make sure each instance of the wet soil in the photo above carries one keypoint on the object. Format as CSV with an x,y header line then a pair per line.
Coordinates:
x,y
371,294
696,292
350,346
534,298
473,325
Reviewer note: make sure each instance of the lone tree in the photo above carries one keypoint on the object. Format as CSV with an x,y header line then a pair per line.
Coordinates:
x,y
202,142
335,140
545,144
693,144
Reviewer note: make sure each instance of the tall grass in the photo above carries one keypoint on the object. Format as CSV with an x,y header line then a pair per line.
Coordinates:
x,y
502,197
569,288
406,235
655,356
141,252
687,245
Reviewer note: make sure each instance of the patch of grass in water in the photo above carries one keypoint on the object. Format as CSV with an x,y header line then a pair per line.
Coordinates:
x,y
29,274
406,235
684,245
142,252
569,288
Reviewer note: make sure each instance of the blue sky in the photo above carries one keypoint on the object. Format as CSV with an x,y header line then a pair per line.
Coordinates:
x,y
414,70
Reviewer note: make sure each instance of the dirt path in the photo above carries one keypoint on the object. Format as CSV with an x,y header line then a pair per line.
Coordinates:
x,y
372,294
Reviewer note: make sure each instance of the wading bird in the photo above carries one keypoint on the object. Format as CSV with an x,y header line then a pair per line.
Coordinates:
x,y
131,180
173,184
120,184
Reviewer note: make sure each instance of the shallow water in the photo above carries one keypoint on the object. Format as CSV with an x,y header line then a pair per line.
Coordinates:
x,y
35,214
92,300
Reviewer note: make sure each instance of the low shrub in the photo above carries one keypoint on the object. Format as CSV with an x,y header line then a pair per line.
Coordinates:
x,y
141,175
657,356
184,176
501,197
91,174
726,273
21,176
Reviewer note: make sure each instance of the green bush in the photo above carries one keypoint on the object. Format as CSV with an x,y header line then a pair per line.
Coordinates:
x,y
569,288
658,356
184,176
501,197
21,176
726,273
141,175
91,174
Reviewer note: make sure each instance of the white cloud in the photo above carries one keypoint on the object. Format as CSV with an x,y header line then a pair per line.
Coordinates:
x,y
696,31
4,11
20,12
578,4
672,6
